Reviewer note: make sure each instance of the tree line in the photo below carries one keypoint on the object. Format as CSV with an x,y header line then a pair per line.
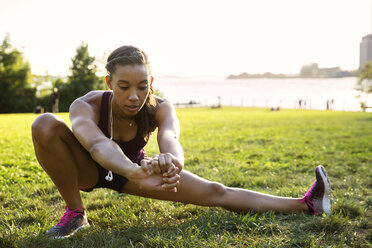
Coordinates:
x,y
18,92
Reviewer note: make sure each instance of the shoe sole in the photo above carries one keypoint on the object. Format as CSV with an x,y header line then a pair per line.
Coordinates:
x,y
326,203
77,229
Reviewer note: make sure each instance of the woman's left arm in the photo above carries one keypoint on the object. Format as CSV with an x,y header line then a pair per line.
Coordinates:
x,y
171,151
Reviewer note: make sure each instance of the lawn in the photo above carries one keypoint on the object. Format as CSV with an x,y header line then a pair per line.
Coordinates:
x,y
271,152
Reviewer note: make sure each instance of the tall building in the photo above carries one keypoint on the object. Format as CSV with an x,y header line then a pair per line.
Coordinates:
x,y
365,51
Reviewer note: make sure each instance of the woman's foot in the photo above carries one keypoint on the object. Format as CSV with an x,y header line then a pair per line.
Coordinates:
x,y
70,222
317,197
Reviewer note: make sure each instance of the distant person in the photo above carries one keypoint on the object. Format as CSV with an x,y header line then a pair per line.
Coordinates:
x,y
39,109
274,108
363,106
104,149
302,104
330,104
54,100
218,104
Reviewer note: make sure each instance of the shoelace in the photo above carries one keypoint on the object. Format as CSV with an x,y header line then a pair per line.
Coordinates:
x,y
306,198
67,216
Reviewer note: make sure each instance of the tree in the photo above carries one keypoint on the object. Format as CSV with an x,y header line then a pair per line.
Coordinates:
x,y
365,82
16,93
83,78
365,78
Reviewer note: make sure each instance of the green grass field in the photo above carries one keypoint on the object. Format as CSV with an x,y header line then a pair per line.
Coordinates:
x,y
271,152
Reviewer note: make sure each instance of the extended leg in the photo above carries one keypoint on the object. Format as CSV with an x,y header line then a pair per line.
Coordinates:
x,y
67,163
195,190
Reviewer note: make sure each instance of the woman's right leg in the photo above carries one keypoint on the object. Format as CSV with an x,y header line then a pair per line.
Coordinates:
x,y
63,158
196,190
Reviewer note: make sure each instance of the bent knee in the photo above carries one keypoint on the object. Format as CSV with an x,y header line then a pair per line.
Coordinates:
x,y
217,189
45,127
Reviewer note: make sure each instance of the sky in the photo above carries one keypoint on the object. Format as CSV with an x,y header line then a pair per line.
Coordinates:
x,y
190,37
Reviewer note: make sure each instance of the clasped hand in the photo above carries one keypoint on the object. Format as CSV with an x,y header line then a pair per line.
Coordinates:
x,y
161,172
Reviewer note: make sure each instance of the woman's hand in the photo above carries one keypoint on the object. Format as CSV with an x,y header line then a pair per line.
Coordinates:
x,y
166,163
146,178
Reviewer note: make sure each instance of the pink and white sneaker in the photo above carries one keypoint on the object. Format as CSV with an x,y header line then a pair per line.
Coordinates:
x,y
317,197
70,222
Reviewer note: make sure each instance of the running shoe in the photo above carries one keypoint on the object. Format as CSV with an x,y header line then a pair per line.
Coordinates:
x,y
317,198
71,221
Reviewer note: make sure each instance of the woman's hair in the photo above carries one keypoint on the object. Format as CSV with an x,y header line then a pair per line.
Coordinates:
x,y
130,55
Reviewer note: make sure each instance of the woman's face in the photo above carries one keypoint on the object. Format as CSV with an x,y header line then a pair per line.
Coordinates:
x,y
131,87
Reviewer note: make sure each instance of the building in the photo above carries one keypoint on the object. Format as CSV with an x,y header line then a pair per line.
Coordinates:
x,y
365,51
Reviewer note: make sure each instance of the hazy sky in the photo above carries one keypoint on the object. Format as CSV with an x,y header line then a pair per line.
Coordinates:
x,y
191,37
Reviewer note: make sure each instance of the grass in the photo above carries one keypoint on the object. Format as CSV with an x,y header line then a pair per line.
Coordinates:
x,y
272,152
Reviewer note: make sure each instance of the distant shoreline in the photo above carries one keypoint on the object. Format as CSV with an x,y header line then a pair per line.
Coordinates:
x,y
307,71
245,75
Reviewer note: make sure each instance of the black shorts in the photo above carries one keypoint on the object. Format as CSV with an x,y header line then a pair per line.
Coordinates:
x,y
117,182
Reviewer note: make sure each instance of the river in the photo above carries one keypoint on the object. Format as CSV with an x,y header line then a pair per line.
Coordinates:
x,y
263,92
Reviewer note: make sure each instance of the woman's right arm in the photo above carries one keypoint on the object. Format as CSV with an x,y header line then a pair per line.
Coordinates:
x,y
84,118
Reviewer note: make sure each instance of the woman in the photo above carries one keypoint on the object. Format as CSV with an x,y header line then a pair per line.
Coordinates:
x,y
105,149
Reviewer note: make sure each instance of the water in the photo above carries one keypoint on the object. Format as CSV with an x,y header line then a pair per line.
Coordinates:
x,y
284,93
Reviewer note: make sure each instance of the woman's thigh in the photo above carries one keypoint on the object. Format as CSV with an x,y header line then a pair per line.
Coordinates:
x,y
192,189
56,147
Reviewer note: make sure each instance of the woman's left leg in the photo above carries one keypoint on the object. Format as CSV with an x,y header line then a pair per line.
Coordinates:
x,y
196,190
